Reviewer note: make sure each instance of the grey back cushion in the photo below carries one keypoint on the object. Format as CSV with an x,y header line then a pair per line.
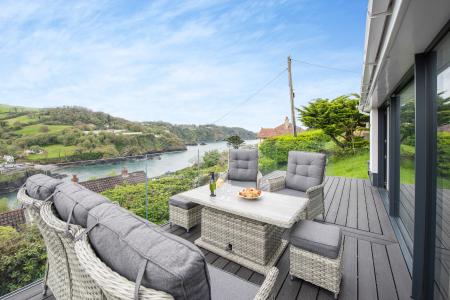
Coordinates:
x,y
124,242
41,186
70,194
243,165
305,169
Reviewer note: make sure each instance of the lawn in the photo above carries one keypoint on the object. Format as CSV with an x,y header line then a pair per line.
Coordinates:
x,y
36,129
53,151
349,166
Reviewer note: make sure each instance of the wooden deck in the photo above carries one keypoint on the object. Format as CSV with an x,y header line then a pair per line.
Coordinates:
x,y
374,267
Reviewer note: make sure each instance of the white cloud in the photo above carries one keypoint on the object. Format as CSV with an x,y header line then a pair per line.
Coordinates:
x,y
187,62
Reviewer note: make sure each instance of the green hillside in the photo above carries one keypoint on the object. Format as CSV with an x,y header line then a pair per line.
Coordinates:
x,y
51,135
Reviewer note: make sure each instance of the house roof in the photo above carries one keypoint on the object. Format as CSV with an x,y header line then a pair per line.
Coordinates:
x,y
284,129
107,183
13,217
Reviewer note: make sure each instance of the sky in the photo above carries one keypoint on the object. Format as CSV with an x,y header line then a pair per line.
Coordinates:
x,y
185,62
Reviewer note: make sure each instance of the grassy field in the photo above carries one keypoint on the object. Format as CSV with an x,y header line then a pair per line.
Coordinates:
x,y
35,129
53,151
352,166
22,119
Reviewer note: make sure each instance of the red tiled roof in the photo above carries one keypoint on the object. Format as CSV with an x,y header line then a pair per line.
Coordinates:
x,y
107,183
13,217
283,129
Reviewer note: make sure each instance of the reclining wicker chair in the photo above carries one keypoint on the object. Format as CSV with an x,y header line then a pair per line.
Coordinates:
x,y
64,275
304,178
57,274
115,286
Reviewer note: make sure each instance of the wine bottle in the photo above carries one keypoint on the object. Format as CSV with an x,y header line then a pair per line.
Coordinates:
x,y
212,185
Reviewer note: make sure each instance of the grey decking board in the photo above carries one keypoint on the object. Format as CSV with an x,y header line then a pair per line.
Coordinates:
x,y
355,259
350,269
385,281
257,278
352,211
385,223
363,223
341,218
290,288
330,195
307,291
366,274
402,278
372,214
336,202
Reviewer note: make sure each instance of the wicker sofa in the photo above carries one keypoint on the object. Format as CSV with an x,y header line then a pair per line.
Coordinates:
x,y
304,178
76,271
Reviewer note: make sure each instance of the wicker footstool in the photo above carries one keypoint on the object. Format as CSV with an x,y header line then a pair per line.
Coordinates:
x,y
316,254
183,212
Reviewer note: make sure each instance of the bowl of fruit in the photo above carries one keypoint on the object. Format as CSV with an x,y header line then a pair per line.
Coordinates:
x,y
250,193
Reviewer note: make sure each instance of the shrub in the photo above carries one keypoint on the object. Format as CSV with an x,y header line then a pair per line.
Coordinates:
x,y
4,205
23,257
277,149
211,158
267,165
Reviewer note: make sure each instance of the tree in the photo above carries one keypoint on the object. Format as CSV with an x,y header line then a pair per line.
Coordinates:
x,y
339,118
234,141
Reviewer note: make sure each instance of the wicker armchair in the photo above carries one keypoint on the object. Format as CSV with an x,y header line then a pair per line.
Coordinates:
x,y
115,286
294,181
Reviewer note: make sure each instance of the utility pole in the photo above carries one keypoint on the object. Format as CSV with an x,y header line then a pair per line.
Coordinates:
x,y
291,95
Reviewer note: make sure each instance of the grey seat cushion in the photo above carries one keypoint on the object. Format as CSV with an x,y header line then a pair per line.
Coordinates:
x,y
291,192
72,195
41,186
322,239
125,242
243,165
305,170
243,184
226,286
181,202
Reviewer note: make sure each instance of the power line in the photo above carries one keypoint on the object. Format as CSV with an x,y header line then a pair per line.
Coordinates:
x,y
251,96
324,67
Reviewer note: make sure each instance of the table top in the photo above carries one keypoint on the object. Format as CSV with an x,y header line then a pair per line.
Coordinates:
x,y
272,208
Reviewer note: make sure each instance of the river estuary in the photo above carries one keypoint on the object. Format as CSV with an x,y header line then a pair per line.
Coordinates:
x,y
156,166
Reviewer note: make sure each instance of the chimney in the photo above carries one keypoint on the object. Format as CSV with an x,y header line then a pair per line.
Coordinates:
x,y
124,173
74,178
286,122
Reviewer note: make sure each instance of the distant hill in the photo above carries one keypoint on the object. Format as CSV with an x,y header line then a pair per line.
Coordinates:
x,y
193,134
49,135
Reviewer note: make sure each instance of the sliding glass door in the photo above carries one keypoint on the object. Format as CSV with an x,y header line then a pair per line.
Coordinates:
x,y
442,253
407,163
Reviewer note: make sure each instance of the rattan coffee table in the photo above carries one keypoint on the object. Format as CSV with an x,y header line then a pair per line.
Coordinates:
x,y
248,232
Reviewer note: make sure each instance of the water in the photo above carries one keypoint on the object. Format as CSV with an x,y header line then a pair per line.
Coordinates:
x,y
11,199
156,166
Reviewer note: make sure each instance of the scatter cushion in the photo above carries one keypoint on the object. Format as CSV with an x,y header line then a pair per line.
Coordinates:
x,y
125,243
305,170
291,192
72,195
226,286
243,165
322,239
181,202
41,186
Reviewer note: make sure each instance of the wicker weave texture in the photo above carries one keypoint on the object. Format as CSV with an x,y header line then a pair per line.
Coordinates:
x,y
57,273
318,270
82,285
186,218
250,239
